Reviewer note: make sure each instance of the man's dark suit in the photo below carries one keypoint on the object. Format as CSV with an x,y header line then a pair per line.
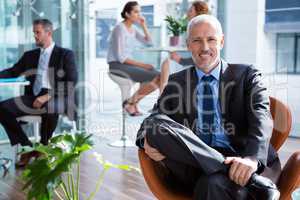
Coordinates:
x,y
62,75
246,118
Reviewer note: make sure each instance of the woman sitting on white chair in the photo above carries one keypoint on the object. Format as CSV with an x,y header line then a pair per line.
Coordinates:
x,y
121,61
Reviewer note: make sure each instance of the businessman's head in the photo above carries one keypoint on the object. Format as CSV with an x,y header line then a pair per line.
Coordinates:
x,y
205,40
43,30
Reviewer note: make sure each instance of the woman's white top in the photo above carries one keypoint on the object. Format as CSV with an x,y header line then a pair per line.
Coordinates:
x,y
122,43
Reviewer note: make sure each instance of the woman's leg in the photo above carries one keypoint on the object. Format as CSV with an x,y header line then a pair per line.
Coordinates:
x,y
164,75
144,89
149,79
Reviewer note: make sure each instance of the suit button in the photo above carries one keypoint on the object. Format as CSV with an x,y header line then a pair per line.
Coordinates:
x,y
60,73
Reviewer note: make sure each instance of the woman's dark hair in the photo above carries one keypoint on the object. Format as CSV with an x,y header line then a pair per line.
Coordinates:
x,y
201,7
128,8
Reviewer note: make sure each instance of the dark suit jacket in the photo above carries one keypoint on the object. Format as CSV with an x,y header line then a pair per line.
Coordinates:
x,y
244,105
62,73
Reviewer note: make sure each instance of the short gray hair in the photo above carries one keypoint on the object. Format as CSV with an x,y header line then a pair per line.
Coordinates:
x,y
46,23
202,19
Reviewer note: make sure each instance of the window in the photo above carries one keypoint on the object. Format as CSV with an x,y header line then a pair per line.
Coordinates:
x,y
288,53
282,17
298,55
105,21
147,12
277,11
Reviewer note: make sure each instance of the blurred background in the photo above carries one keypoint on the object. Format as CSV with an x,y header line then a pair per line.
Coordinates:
x,y
261,32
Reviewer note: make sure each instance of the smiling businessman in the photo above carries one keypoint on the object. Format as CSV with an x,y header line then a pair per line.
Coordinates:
x,y
212,124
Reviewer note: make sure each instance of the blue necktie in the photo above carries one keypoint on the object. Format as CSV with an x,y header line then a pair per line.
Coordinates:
x,y
208,110
37,87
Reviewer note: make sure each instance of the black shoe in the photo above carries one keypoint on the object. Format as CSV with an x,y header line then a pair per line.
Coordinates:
x,y
262,188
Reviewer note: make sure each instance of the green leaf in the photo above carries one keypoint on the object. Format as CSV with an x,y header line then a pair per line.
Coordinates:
x,y
176,27
106,164
44,175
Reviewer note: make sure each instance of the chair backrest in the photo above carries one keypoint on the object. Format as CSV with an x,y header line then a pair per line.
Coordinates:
x,y
282,118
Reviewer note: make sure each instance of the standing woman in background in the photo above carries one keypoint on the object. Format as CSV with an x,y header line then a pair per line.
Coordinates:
x,y
120,56
197,8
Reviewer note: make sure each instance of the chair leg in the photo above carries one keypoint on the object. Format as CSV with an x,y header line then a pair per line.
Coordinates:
x,y
74,128
124,141
36,131
16,150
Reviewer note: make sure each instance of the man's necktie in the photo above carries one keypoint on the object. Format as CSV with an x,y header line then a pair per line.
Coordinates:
x,y
37,87
208,110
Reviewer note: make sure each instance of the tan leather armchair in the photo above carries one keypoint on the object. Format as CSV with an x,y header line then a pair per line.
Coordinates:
x,y
289,179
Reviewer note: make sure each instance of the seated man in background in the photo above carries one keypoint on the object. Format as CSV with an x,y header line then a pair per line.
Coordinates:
x,y
212,125
52,74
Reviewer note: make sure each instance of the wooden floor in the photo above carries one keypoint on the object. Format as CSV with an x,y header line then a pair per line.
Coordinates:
x,y
117,184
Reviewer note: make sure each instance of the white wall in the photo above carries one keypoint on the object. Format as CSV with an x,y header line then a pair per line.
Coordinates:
x,y
241,27
246,42
266,42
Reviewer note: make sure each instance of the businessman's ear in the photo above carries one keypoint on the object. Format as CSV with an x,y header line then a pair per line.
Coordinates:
x,y
222,42
50,33
187,41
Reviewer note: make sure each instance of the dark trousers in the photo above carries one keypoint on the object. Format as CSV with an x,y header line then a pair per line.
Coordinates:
x,y
13,108
191,163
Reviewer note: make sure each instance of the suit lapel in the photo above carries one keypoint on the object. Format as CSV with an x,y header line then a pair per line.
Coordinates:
x,y
53,58
53,63
35,63
36,57
225,88
190,95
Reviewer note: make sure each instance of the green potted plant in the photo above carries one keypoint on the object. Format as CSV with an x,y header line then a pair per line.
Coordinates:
x,y
175,27
57,172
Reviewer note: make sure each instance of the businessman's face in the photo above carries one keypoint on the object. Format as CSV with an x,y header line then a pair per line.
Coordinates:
x,y
205,44
41,35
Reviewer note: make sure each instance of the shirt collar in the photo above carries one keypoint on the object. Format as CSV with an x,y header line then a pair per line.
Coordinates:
x,y
215,72
48,49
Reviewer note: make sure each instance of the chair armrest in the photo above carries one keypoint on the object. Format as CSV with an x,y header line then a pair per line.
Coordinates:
x,y
290,176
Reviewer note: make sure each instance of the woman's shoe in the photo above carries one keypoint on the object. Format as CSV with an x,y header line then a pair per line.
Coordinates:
x,y
26,157
137,113
132,114
24,160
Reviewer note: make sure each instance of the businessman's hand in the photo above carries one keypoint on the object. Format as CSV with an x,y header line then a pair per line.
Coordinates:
x,y
153,153
241,169
40,101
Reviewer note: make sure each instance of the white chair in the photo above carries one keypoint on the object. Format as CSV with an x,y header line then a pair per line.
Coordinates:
x,y
70,123
125,86
36,121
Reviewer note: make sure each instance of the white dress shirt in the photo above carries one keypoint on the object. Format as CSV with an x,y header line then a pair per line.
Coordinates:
x,y
42,77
